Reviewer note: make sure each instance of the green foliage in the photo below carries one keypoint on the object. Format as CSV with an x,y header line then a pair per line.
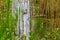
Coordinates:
x,y
7,23
32,35
41,32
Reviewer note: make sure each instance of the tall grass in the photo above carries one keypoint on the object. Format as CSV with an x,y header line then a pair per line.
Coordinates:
x,y
48,27
6,21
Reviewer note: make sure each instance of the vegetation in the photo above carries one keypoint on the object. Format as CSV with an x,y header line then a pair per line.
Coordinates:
x,y
7,23
43,28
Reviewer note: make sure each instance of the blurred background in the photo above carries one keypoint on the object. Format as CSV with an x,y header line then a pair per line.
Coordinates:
x,y
29,19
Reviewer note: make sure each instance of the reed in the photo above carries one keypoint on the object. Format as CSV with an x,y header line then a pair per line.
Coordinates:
x,y
46,28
